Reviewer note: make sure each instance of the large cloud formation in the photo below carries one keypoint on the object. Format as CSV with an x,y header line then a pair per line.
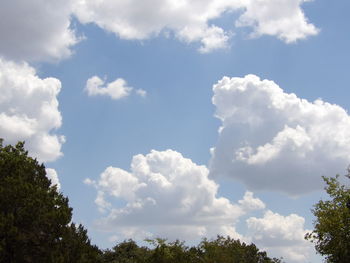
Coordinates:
x,y
42,30
36,29
272,140
29,110
167,195
192,21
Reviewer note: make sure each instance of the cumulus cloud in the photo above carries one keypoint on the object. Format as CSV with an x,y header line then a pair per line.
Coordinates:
x,y
116,89
166,195
42,30
36,30
29,110
281,236
52,175
273,140
281,18
192,21
250,203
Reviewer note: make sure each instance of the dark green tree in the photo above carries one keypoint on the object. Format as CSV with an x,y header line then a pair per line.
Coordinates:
x,y
331,234
75,246
172,252
230,250
220,250
126,252
34,217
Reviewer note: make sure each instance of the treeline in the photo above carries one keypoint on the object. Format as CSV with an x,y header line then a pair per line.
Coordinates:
x,y
208,251
35,226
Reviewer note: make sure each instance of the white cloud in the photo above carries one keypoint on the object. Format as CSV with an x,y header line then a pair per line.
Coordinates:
x,y
192,21
42,30
29,110
211,38
281,236
134,20
52,175
141,92
282,18
272,140
249,203
166,195
116,89
36,29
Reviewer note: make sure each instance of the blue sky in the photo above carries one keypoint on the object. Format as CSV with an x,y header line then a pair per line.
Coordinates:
x,y
258,183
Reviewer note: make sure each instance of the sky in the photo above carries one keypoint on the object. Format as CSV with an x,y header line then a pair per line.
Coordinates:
x,y
182,119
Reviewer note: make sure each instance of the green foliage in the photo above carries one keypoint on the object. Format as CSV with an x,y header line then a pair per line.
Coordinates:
x,y
126,252
171,252
220,250
332,225
231,250
75,246
34,217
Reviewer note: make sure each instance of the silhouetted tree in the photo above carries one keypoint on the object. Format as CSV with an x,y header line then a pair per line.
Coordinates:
x,y
34,217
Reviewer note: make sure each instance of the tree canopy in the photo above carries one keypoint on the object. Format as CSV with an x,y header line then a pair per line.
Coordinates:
x,y
35,219
222,249
332,225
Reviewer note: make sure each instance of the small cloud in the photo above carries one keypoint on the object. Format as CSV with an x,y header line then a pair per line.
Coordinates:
x,y
88,181
283,19
249,203
116,89
141,92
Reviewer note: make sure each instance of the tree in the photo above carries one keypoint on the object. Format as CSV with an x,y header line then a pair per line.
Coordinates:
x,y
75,246
126,252
171,252
331,235
223,250
34,217
227,249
